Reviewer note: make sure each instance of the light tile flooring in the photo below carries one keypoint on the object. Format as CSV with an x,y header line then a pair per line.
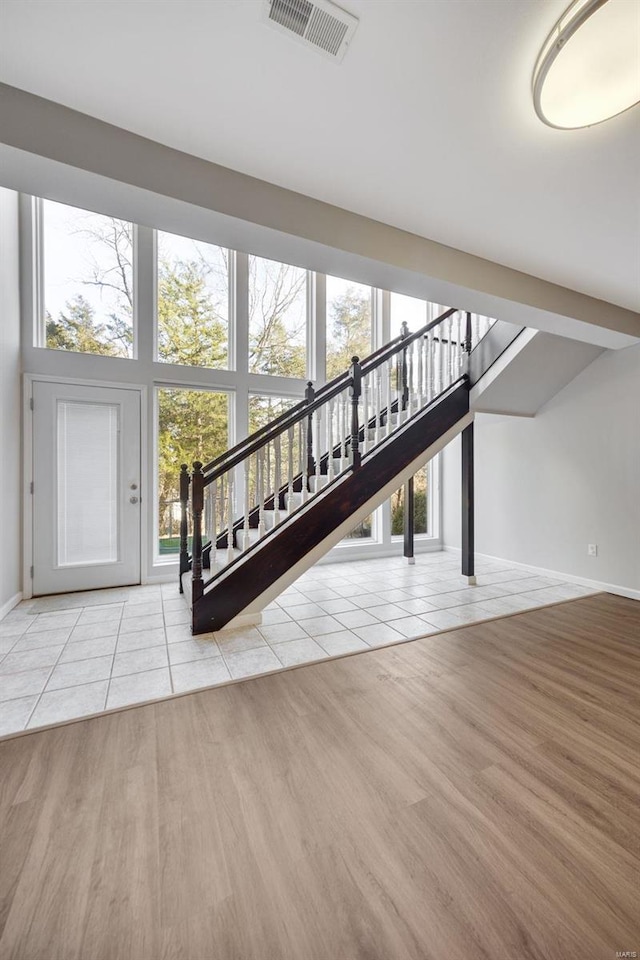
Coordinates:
x,y
77,654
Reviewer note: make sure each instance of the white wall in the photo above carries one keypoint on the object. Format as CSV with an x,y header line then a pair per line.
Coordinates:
x,y
547,486
10,499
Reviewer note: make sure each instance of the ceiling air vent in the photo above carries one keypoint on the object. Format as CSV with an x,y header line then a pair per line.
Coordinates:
x,y
321,24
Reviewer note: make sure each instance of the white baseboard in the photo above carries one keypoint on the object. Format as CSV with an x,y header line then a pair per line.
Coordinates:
x,y
10,604
559,575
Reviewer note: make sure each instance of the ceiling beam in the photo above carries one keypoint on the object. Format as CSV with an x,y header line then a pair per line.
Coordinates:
x,y
59,153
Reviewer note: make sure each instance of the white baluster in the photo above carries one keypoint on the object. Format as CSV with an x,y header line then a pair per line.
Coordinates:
x,y
389,375
230,486
247,481
268,484
365,413
475,321
222,506
260,482
330,470
304,425
277,457
429,366
378,402
449,351
316,448
346,430
214,533
290,438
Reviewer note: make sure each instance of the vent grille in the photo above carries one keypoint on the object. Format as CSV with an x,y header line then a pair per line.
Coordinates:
x,y
291,14
322,24
325,31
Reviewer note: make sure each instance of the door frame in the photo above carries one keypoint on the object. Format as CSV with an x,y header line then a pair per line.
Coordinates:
x,y
27,468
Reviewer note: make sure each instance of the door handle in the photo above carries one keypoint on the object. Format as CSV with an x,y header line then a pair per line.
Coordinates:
x,y
133,499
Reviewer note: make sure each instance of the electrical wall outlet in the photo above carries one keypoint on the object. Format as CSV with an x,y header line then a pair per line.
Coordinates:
x,y
592,549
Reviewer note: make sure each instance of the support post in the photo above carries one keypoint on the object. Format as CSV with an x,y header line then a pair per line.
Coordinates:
x,y
197,506
184,521
468,545
355,390
408,518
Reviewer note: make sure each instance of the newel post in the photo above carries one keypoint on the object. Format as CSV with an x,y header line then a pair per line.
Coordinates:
x,y
309,396
197,506
355,390
468,337
184,521
404,379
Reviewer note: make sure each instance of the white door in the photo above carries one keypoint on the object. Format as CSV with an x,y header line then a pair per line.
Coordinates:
x,y
86,487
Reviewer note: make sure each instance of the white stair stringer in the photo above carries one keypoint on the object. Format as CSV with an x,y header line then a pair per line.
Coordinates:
x,y
252,612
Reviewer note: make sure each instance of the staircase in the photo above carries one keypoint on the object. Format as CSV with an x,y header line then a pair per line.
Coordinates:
x,y
271,506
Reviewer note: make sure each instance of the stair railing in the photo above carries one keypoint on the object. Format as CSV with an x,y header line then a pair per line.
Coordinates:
x,y
243,495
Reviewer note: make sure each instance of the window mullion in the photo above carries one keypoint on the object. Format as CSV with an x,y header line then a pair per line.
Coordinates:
x,y
318,328
239,325
144,294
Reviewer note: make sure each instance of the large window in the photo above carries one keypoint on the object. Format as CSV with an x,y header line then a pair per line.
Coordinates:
x,y
348,324
206,303
192,425
193,302
277,318
87,275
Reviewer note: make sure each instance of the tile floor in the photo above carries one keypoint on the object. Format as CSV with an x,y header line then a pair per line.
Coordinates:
x,y
73,655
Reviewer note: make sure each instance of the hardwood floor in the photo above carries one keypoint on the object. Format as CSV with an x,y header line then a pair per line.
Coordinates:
x,y
470,795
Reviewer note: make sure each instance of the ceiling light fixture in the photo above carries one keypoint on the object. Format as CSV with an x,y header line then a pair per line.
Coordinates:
x,y
589,68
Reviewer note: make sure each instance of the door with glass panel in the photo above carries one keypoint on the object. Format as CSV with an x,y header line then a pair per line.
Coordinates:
x,y
86,487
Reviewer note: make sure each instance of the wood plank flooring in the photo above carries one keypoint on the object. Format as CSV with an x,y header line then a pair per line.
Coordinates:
x,y
470,795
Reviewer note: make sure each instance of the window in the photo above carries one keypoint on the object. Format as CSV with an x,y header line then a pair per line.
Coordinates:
x,y
348,324
192,425
87,281
277,318
408,309
193,302
420,506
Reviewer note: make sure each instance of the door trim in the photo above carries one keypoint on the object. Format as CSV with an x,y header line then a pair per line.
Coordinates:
x,y
27,468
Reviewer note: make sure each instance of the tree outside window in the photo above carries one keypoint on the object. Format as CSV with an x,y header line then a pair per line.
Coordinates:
x,y
348,324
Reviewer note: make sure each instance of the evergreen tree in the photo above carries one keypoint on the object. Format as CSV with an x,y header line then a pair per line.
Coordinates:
x,y
76,329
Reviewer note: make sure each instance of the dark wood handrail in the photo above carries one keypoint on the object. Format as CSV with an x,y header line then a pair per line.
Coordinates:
x,y
236,454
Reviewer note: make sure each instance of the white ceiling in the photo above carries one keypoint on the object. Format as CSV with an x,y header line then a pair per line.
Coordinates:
x,y
427,124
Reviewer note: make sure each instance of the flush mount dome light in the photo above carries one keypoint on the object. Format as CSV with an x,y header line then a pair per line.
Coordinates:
x,y
589,68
